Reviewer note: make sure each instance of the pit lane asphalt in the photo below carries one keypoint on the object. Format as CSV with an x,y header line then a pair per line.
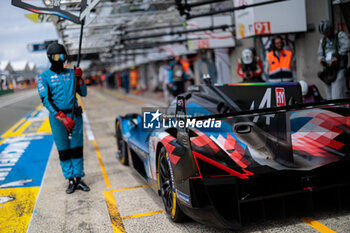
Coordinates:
x,y
119,199
14,106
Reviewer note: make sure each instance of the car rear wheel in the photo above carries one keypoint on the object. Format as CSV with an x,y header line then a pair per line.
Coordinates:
x,y
122,146
167,190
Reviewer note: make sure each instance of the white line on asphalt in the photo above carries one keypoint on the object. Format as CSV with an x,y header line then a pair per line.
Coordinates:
x,y
5,169
7,164
16,183
18,98
90,134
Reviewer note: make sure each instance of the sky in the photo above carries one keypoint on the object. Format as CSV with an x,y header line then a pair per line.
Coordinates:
x,y
16,31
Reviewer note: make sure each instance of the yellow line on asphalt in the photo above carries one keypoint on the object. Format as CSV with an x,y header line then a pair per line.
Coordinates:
x,y
116,219
134,100
36,110
104,173
317,225
101,97
108,184
117,222
10,131
13,127
143,214
124,97
135,187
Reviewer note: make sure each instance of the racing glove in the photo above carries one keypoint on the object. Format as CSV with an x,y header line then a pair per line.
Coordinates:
x,y
68,122
78,73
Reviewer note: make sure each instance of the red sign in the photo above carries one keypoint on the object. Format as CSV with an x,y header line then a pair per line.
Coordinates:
x,y
242,2
280,97
203,44
263,27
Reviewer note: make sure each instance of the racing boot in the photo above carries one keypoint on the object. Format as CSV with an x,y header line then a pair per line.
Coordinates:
x,y
71,186
81,185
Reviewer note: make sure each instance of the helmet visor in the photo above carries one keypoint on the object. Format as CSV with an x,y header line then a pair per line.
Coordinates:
x,y
57,57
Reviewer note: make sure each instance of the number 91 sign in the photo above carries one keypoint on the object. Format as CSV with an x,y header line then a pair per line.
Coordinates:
x,y
261,28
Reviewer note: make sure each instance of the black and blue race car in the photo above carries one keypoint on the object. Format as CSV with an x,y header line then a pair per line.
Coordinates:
x,y
225,154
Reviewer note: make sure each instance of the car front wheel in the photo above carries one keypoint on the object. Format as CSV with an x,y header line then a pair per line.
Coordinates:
x,y
122,146
167,189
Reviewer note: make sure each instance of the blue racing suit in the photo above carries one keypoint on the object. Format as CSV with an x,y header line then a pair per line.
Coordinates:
x,y
56,92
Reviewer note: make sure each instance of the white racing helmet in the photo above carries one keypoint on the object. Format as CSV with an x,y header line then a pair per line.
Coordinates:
x,y
304,87
247,56
325,26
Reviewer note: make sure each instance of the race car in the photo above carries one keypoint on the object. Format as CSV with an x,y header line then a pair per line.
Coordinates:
x,y
225,154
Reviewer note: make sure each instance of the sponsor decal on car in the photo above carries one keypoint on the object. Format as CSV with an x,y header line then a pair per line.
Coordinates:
x,y
182,196
280,97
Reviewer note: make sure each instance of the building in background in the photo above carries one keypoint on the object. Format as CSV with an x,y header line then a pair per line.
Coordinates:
x,y
17,74
120,37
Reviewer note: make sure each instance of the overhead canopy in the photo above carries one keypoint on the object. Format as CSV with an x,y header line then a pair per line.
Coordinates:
x,y
127,30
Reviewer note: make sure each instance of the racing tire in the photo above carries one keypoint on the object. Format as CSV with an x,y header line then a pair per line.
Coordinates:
x,y
167,189
122,145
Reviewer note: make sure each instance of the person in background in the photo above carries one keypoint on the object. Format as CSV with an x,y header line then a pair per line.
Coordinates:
x,y
206,65
177,77
332,56
94,79
3,85
99,78
250,67
118,78
188,71
12,85
88,80
163,78
279,62
125,81
134,79
55,87
110,79
104,82
310,92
